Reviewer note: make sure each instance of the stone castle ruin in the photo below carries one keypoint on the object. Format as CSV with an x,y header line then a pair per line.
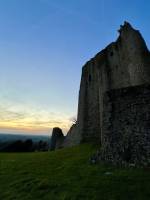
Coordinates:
x,y
114,101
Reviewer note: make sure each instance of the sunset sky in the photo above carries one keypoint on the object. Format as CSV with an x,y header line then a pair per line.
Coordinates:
x,y
43,46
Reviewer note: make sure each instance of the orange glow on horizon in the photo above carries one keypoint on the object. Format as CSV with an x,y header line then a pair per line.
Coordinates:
x,y
31,120
34,124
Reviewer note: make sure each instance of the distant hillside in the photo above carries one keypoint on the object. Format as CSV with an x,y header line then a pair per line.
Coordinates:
x,y
13,137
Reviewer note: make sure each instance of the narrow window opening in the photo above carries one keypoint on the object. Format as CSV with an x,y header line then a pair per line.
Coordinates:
x,y
90,78
111,53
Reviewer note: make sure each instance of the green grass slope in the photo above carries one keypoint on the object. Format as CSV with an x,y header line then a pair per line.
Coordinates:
x,y
66,174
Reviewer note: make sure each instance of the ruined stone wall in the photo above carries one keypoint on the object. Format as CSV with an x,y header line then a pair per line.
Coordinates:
x,y
88,114
126,127
128,59
122,64
114,101
73,137
57,139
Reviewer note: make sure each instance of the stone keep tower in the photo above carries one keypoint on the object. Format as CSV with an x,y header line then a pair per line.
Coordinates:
x,y
124,63
114,100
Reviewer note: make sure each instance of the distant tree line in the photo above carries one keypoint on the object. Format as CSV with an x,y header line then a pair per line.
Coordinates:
x,y
24,146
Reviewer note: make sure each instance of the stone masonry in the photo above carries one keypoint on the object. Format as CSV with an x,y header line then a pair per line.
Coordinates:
x,y
126,126
114,96
124,63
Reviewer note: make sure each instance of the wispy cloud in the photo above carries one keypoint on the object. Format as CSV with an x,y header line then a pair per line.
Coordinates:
x,y
31,120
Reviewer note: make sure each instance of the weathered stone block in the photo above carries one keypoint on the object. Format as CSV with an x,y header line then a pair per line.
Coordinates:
x,y
57,139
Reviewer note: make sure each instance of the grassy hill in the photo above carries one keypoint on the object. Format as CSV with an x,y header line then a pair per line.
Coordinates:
x,y
67,175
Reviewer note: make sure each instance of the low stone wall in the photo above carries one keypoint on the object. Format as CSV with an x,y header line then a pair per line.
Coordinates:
x,y
126,126
73,136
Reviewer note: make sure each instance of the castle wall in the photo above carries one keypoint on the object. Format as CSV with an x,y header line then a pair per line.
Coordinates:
x,y
123,63
88,115
126,127
114,102
128,59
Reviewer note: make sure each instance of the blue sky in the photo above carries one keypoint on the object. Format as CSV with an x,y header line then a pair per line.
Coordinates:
x,y
43,46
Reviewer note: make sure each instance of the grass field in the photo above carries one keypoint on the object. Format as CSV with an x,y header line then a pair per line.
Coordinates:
x,y
67,175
